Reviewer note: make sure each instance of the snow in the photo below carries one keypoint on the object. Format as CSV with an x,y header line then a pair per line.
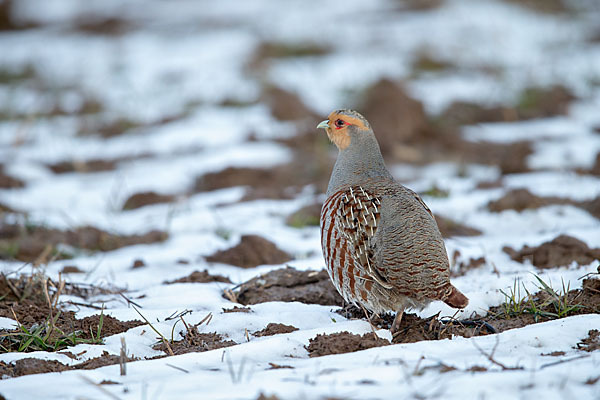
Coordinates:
x,y
186,58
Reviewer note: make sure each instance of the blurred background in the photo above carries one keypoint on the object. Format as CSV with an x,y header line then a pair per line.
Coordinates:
x,y
111,106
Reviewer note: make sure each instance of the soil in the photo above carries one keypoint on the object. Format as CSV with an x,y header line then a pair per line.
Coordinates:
x,y
237,309
396,118
287,106
194,342
8,182
462,267
30,366
523,199
289,284
343,342
96,165
449,228
25,297
200,277
561,251
143,199
275,329
309,215
590,343
71,269
252,251
38,243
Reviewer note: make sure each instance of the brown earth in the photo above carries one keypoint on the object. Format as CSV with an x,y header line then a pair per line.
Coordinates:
x,y
462,267
343,342
591,342
29,243
30,366
287,106
268,50
25,299
275,329
522,199
194,342
9,182
289,284
449,228
309,215
200,277
143,199
237,309
252,251
95,165
561,251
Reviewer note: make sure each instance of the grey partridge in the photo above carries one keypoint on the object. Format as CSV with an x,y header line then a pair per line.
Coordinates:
x,y
381,244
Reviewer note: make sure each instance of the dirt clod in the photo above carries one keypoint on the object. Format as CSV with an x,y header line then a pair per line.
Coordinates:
x,y
289,284
591,342
9,182
561,251
396,118
71,269
465,266
27,243
449,228
236,309
143,199
195,342
200,277
252,251
343,342
95,165
275,329
522,199
306,216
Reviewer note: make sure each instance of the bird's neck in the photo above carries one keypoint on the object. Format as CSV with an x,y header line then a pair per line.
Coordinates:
x,y
357,164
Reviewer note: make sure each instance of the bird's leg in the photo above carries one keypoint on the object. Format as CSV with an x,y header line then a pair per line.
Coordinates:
x,y
368,318
395,329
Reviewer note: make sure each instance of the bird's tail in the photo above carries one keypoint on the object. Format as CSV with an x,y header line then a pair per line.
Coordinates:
x,y
456,299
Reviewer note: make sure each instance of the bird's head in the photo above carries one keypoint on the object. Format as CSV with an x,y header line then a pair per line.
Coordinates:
x,y
344,126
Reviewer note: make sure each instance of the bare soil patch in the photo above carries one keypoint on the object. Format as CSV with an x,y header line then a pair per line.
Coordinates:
x,y
463,267
195,342
95,165
275,329
29,243
9,182
591,342
252,251
309,215
287,106
25,299
143,199
449,228
561,251
343,342
522,199
289,284
30,366
200,277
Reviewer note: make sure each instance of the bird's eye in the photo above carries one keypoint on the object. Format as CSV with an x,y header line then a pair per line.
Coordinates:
x,y
339,123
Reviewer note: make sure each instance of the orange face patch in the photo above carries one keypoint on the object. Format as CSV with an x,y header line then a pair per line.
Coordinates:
x,y
338,128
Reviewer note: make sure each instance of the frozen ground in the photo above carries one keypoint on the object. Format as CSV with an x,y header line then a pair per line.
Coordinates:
x,y
186,59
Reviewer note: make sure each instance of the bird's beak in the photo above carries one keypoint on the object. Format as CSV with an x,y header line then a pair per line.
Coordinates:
x,y
323,124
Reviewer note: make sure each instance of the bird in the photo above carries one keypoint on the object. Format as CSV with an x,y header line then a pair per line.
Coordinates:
x,y
382,247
